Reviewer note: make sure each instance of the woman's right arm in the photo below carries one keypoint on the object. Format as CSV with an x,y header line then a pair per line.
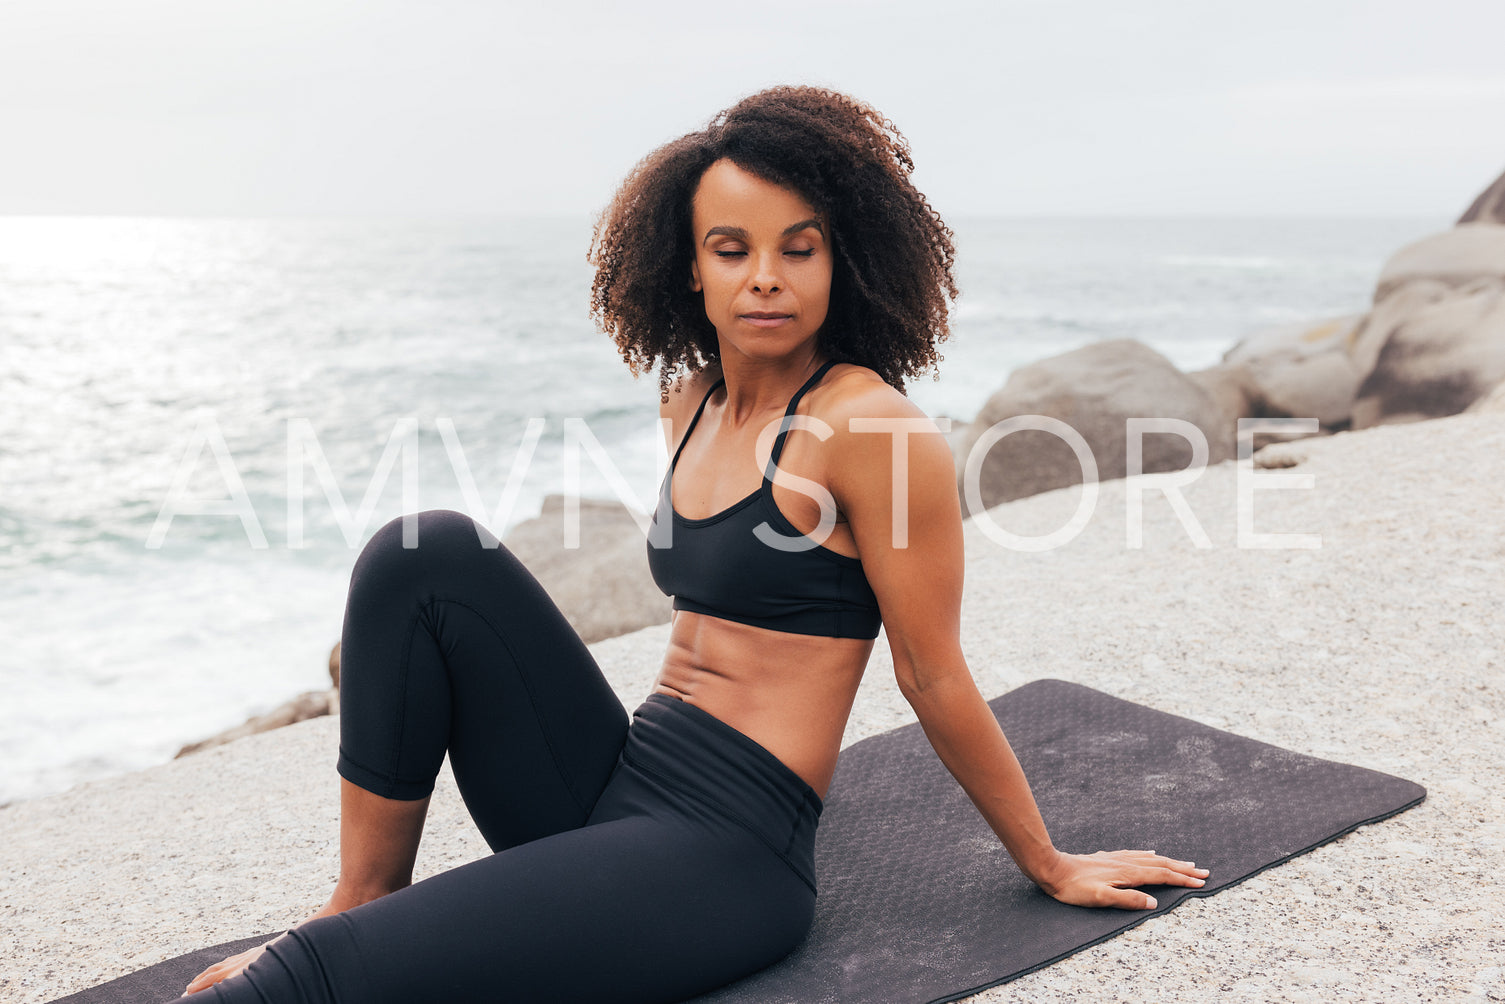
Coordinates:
x,y
919,587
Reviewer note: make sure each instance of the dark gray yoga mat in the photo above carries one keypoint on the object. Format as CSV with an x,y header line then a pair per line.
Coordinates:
x,y
918,901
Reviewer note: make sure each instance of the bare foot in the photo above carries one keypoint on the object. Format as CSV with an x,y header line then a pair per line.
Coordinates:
x,y
378,843
339,901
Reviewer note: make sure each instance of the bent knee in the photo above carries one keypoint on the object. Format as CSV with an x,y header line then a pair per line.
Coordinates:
x,y
432,529
432,539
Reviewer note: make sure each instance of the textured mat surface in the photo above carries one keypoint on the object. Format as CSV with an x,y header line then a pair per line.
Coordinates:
x,y
918,901
165,980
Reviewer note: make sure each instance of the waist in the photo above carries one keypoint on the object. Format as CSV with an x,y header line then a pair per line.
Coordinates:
x,y
790,693
691,750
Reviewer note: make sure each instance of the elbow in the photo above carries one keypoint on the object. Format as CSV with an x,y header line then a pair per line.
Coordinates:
x,y
920,683
928,697
926,664
909,685
910,675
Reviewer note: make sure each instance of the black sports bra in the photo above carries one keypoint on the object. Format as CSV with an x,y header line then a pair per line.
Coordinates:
x,y
719,566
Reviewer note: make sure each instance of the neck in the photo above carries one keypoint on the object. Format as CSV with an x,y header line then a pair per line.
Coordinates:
x,y
755,387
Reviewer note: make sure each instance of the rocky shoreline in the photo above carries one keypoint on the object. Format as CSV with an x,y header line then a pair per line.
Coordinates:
x,y
1431,344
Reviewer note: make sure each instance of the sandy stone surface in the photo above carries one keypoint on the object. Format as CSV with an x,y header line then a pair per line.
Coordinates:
x,y
1382,647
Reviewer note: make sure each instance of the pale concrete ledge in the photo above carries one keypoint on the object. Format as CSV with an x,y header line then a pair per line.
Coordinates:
x,y
1382,648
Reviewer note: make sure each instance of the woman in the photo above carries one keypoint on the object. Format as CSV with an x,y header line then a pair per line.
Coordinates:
x,y
782,257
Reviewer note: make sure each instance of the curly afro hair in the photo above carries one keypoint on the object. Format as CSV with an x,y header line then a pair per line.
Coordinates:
x,y
892,253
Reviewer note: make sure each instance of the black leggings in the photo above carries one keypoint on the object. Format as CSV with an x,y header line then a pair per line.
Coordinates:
x,y
642,863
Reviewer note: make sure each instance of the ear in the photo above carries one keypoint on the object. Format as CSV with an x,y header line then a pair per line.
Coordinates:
x,y
695,286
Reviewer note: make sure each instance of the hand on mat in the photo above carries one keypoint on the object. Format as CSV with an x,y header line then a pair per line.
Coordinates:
x,y
1107,878
226,969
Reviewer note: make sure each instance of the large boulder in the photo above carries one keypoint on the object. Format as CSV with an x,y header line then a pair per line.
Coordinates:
x,y
603,586
1492,403
1454,258
334,666
313,704
1290,371
1435,340
1095,390
1441,358
1489,207
1321,386
1302,339
1387,316
1231,389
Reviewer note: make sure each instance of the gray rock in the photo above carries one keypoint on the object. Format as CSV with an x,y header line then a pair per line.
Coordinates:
x,y
1441,358
1095,390
1489,207
1323,386
1306,338
312,704
1492,403
1453,257
603,586
1231,388
1388,315
1291,371
334,665
1435,340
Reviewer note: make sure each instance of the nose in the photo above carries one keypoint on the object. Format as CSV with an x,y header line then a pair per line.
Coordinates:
x,y
766,278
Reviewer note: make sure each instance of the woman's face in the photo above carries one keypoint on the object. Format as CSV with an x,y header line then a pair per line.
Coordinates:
x,y
762,261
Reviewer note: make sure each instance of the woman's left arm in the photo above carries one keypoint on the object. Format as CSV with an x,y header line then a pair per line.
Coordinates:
x,y
910,542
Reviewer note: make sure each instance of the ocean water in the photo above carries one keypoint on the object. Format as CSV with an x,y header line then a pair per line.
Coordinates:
x,y
147,365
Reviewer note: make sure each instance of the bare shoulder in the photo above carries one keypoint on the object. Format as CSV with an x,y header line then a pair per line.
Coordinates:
x,y
878,434
856,392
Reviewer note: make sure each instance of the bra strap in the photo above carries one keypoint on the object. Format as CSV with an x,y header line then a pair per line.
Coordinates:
x,y
694,421
784,425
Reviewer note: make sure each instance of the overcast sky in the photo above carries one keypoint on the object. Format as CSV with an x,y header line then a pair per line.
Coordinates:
x,y
1124,107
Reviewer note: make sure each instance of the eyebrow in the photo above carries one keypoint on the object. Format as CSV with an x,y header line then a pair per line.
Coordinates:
x,y
741,234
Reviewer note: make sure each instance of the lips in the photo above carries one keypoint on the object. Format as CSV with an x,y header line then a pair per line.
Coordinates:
x,y
766,319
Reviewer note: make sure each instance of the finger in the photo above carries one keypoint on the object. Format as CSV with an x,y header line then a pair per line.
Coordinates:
x,y
1185,867
203,982
1190,879
1128,899
208,977
1139,857
1164,876
1151,854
